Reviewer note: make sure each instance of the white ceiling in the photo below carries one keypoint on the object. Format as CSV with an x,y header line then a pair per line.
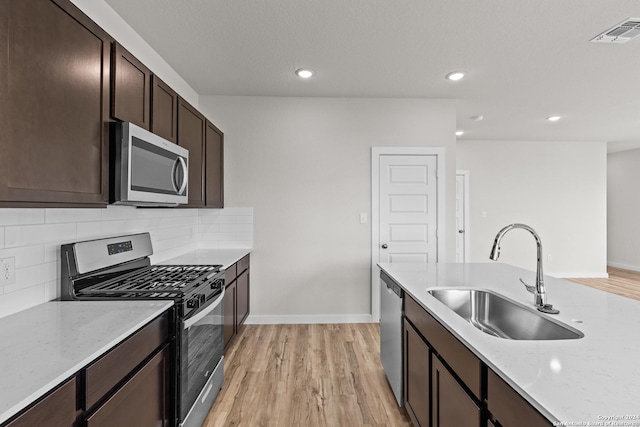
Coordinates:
x,y
525,59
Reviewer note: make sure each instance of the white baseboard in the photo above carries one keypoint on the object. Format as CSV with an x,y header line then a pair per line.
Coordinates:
x,y
582,275
308,319
623,266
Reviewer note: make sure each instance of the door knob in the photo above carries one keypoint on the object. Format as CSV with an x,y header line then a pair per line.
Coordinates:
x,y
384,246
460,231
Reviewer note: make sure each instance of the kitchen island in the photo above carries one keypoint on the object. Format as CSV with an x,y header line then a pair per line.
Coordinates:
x,y
594,379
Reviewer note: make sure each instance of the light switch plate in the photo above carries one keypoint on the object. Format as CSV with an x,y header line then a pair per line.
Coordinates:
x,y
363,218
7,271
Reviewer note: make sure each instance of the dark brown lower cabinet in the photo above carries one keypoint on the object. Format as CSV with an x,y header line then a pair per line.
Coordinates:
x,y
417,368
140,401
236,298
56,409
446,385
452,406
508,408
229,312
242,298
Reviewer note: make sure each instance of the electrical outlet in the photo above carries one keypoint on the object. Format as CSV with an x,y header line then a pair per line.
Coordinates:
x,y
7,271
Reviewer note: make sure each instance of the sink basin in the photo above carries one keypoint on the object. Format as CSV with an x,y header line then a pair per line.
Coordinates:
x,y
498,316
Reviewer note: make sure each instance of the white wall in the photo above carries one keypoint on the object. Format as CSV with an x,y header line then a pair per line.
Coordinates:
x,y
33,238
558,188
103,15
623,214
304,164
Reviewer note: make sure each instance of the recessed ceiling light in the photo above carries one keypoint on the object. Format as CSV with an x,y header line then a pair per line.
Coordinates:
x,y
477,118
459,132
553,118
304,73
455,75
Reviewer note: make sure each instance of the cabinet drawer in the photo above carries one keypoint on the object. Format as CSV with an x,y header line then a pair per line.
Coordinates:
x,y
56,409
230,274
113,367
243,264
141,401
465,364
508,407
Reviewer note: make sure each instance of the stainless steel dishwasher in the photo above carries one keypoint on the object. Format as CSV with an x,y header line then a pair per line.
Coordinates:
x,y
391,298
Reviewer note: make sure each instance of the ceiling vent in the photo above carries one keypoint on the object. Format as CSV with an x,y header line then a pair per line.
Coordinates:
x,y
621,33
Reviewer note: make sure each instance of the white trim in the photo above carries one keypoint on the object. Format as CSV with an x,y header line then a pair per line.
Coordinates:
x,y
467,216
583,275
623,266
376,152
308,319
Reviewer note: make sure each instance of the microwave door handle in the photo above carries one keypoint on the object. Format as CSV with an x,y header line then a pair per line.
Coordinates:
x,y
179,161
195,319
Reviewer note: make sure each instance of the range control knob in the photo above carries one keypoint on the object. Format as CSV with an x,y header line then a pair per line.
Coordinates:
x,y
193,302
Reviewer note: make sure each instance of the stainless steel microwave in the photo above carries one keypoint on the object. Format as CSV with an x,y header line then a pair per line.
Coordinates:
x,y
147,170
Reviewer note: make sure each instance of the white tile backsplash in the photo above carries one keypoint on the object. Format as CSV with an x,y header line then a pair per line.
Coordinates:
x,y
21,216
34,236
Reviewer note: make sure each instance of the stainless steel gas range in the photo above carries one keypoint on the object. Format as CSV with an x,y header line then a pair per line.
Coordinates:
x,y
119,267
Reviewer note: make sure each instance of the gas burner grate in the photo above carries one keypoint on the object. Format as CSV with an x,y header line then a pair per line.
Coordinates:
x,y
159,281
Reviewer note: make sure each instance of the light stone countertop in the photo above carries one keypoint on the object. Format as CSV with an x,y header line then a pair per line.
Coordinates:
x,y
225,257
576,381
45,345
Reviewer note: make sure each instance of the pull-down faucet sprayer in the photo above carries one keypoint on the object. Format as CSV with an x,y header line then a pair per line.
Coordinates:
x,y
538,291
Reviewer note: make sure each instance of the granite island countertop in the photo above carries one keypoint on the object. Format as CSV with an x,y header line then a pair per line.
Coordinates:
x,y
583,380
47,344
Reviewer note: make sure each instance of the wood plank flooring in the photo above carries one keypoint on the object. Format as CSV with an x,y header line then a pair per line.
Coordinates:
x,y
620,282
306,375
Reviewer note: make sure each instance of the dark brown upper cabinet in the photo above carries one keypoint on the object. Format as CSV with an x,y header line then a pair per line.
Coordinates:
x,y
191,135
55,91
214,166
164,110
131,88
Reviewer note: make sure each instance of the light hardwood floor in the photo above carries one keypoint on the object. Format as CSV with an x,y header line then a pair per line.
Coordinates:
x,y
620,282
306,375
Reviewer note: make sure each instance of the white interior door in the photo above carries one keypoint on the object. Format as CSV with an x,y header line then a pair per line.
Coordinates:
x,y
462,216
408,208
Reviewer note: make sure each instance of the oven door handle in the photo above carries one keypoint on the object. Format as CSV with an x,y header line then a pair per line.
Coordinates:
x,y
198,317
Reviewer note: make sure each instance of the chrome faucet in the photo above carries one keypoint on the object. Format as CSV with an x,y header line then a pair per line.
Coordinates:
x,y
538,291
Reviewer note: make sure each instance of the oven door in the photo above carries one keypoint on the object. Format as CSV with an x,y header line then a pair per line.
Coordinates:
x,y
201,361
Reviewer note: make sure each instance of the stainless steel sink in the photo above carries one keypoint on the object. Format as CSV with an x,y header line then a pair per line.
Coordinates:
x,y
501,317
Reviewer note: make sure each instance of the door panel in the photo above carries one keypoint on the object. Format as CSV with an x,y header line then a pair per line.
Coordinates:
x,y
461,212
408,208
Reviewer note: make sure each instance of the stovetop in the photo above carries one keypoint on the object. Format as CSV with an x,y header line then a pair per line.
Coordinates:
x,y
160,281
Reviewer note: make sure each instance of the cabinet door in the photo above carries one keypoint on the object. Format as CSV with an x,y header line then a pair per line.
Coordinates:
x,y
242,299
131,89
508,407
55,105
452,406
142,401
164,110
56,409
191,131
416,376
229,313
214,166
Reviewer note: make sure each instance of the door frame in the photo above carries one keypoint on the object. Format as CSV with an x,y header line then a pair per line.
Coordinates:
x,y
467,219
376,152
